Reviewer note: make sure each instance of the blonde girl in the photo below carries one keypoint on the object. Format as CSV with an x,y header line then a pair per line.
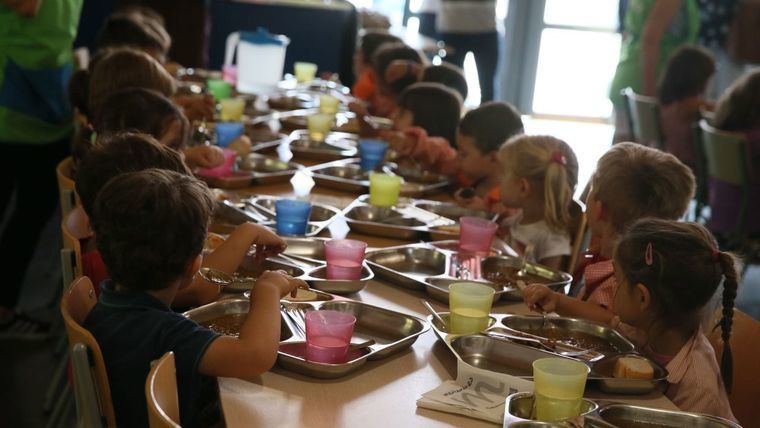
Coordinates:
x,y
539,175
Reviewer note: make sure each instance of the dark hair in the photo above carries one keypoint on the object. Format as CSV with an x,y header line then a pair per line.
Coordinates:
x,y
150,226
686,74
448,75
491,125
133,29
435,108
371,41
682,275
739,107
79,84
384,56
117,154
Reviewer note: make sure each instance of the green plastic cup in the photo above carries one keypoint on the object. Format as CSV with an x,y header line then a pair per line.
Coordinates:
x,y
384,189
304,71
558,386
470,307
220,89
328,104
319,126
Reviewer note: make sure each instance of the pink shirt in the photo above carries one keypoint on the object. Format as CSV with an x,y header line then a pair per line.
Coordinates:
x,y
600,284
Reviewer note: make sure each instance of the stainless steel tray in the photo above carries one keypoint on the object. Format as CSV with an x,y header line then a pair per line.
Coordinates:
x,y
249,272
635,416
266,169
434,266
518,410
348,176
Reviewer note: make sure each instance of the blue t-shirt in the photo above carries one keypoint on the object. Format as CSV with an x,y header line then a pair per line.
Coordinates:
x,y
133,329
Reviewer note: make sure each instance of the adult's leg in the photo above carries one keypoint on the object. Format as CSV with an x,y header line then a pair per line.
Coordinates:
x,y
459,44
487,60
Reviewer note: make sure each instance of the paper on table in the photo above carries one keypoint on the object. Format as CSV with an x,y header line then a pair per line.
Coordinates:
x,y
476,393
302,184
338,228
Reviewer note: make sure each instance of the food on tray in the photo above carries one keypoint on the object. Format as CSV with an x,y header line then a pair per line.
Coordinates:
x,y
302,296
633,368
507,277
229,324
213,241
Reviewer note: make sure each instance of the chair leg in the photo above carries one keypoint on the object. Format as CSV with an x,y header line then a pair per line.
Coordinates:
x,y
59,377
59,411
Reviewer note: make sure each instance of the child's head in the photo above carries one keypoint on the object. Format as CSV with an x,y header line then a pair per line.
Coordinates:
x,y
739,107
667,272
633,181
125,110
448,75
541,169
686,75
151,226
431,106
384,56
137,30
117,154
369,43
481,133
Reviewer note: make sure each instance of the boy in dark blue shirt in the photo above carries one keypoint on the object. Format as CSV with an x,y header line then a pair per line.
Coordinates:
x,y
151,226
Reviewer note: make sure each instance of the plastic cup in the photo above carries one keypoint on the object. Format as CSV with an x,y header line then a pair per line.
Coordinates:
x,y
219,88
223,170
319,126
291,216
558,388
232,109
476,234
328,335
470,306
328,104
344,258
226,132
229,73
305,71
372,153
384,189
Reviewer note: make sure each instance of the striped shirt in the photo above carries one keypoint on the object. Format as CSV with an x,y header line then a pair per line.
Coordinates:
x,y
466,16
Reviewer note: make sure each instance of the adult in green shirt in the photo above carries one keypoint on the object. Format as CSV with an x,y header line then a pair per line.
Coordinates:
x,y
652,31
35,128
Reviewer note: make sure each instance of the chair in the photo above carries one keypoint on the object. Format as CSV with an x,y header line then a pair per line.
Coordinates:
x,y
161,393
86,396
701,196
745,348
644,118
66,188
76,303
71,254
578,232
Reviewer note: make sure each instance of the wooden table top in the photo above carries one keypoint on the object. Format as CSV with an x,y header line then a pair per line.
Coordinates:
x,y
381,393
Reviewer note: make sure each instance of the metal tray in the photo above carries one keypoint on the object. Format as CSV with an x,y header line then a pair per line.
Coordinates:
x,y
434,266
249,272
347,175
223,307
337,145
452,211
518,410
635,416
297,119
266,169
321,297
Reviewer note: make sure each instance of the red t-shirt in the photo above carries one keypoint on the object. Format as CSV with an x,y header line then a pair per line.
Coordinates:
x,y
94,268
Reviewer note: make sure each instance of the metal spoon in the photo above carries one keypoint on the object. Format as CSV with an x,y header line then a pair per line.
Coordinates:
x,y
361,345
529,250
433,313
220,278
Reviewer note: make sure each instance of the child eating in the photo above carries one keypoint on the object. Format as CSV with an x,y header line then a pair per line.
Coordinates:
x,y
366,82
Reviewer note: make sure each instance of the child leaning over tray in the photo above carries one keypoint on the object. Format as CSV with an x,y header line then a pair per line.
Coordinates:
x,y
151,228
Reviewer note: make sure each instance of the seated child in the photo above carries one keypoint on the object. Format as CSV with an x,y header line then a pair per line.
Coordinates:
x,y
539,175
369,43
667,273
125,152
151,227
631,182
681,95
385,100
448,75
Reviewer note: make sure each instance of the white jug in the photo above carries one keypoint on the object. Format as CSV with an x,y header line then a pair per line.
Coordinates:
x,y
260,59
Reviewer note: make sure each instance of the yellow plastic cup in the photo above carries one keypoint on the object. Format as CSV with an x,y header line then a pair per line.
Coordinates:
x,y
469,306
232,109
305,71
319,126
558,386
384,189
328,104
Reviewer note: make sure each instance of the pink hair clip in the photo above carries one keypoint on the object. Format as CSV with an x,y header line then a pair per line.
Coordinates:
x,y
559,157
716,255
648,257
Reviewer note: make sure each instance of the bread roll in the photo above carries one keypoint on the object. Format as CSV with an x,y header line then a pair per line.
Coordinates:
x,y
633,368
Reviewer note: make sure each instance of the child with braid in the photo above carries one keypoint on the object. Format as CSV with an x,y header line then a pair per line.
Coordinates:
x,y
667,272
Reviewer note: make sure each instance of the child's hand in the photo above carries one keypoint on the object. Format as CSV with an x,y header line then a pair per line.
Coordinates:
x,y
267,243
540,298
282,282
359,108
204,156
196,107
472,203
398,142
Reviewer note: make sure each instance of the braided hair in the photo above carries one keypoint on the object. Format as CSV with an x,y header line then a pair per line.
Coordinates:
x,y
681,266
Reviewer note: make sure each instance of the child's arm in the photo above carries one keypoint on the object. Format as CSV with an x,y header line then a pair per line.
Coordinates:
x,y
432,152
540,297
203,156
255,351
196,107
227,257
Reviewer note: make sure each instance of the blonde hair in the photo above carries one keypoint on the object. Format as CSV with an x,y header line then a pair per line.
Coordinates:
x,y
634,181
550,163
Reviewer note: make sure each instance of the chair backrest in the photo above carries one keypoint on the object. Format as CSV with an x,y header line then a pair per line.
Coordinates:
x,y
71,242
644,118
725,154
161,393
578,230
745,348
66,188
85,392
76,304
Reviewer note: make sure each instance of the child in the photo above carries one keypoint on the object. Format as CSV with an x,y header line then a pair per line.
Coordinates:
x,y
127,152
631,182
448,75
151,227
370,42
134,29
681,96
539,175
667,272
385,101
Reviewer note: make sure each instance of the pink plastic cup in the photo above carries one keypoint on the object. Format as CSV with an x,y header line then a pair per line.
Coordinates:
x,y
223,170
328,334
344,258
476,234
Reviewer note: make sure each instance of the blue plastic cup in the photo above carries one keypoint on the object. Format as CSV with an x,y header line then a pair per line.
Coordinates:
x,y
292,216
372,153
227,132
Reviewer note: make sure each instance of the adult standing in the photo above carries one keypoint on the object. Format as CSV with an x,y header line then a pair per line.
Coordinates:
x,y
652,30
470,26
35,130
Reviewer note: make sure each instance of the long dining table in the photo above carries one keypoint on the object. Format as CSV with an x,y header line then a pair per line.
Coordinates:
x,y
381,393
